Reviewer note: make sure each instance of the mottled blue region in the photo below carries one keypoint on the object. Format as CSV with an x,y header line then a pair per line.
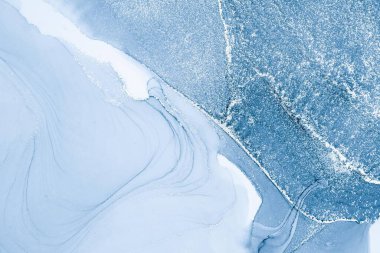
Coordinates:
x,y
304,79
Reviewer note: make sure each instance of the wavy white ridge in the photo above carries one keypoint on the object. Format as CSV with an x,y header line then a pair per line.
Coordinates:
x,y
227,37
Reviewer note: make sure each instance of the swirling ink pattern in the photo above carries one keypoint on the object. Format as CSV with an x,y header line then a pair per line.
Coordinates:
x,y
189,126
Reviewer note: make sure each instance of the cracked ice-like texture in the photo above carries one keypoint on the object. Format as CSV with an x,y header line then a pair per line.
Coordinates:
x,y
85,168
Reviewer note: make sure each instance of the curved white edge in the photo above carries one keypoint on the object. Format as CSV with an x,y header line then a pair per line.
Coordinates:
x,y
239,178
49,21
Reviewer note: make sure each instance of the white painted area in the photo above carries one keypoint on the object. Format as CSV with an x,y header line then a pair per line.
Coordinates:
x,y
134,75
374,238
176,200
254,200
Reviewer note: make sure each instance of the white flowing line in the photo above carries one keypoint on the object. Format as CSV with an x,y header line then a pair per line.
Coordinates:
x,y
342,162
133,74
226,35
374,237
239,178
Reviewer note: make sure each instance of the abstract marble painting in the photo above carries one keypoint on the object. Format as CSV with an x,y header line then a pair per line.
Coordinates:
x,y
192,126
